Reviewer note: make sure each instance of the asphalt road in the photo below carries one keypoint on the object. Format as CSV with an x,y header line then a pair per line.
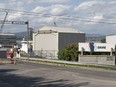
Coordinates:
x,y
25,74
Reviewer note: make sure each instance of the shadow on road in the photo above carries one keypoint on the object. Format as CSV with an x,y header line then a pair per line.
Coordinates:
x,y
12,80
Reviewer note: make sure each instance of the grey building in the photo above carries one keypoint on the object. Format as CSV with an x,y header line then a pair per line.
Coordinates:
x,y
7,40
52,39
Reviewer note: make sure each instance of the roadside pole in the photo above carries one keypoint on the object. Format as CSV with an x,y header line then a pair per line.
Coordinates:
x,y
28,45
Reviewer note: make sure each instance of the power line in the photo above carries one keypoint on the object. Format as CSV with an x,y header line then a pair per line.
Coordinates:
x,y
88,20
21,12
59,17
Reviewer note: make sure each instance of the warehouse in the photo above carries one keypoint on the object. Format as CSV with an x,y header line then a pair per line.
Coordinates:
x,y
48,40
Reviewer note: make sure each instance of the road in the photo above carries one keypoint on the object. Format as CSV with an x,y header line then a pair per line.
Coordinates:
x,y
25,74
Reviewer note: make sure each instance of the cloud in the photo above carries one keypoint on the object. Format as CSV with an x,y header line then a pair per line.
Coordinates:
x,y
14,16
97,10
2,5
53,1
94,10
98,17
46,1
53,10
14,4
95,19
59,10
96,7
31,1
89,7
39,9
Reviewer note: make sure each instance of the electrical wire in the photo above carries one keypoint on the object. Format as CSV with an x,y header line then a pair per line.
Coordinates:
x,y
59,17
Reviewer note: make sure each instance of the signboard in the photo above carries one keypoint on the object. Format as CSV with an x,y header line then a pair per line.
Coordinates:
x,y
96,47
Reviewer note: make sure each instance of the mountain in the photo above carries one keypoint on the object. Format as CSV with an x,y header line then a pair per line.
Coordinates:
x,y
21,35
95,35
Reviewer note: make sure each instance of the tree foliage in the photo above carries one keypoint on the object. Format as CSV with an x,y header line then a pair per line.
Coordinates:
x,y
103,40
70,53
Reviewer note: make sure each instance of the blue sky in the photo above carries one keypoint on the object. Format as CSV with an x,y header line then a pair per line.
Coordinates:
x,y
79,10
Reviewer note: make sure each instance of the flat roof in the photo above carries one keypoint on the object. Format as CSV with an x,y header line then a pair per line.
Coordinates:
x,y
60,29
7,34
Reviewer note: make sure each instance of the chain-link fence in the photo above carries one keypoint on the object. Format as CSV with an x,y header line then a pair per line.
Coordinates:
x,y
52,54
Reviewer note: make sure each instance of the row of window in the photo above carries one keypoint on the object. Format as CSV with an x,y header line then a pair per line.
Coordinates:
x,y
6,38
7,42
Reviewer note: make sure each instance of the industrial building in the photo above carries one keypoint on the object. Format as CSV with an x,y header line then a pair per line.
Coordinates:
x,y
7,40
49,40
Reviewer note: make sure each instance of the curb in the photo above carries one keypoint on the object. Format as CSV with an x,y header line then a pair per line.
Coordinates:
x,y
2,61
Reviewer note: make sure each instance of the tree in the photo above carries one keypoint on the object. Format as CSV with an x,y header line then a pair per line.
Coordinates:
x,y
70,53
103,40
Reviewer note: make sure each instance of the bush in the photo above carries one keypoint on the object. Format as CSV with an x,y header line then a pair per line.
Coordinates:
x,y
70,53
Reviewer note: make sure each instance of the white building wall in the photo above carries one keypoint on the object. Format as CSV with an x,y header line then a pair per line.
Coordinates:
x,y
45,41
85,47
24,47
111,39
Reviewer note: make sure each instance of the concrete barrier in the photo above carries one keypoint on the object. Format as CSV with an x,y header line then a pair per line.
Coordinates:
x,y
97,59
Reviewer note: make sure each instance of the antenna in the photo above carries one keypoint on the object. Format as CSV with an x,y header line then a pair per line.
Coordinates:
x,y
55,22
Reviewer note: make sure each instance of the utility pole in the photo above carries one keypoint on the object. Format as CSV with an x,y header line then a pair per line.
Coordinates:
x,y
20,23
28,44
3,22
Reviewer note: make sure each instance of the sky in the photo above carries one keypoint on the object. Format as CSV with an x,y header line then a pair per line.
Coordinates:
x,y
89,16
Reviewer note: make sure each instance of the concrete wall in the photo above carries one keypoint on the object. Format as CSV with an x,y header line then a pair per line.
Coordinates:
x,y
66,39
97,59
45,41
